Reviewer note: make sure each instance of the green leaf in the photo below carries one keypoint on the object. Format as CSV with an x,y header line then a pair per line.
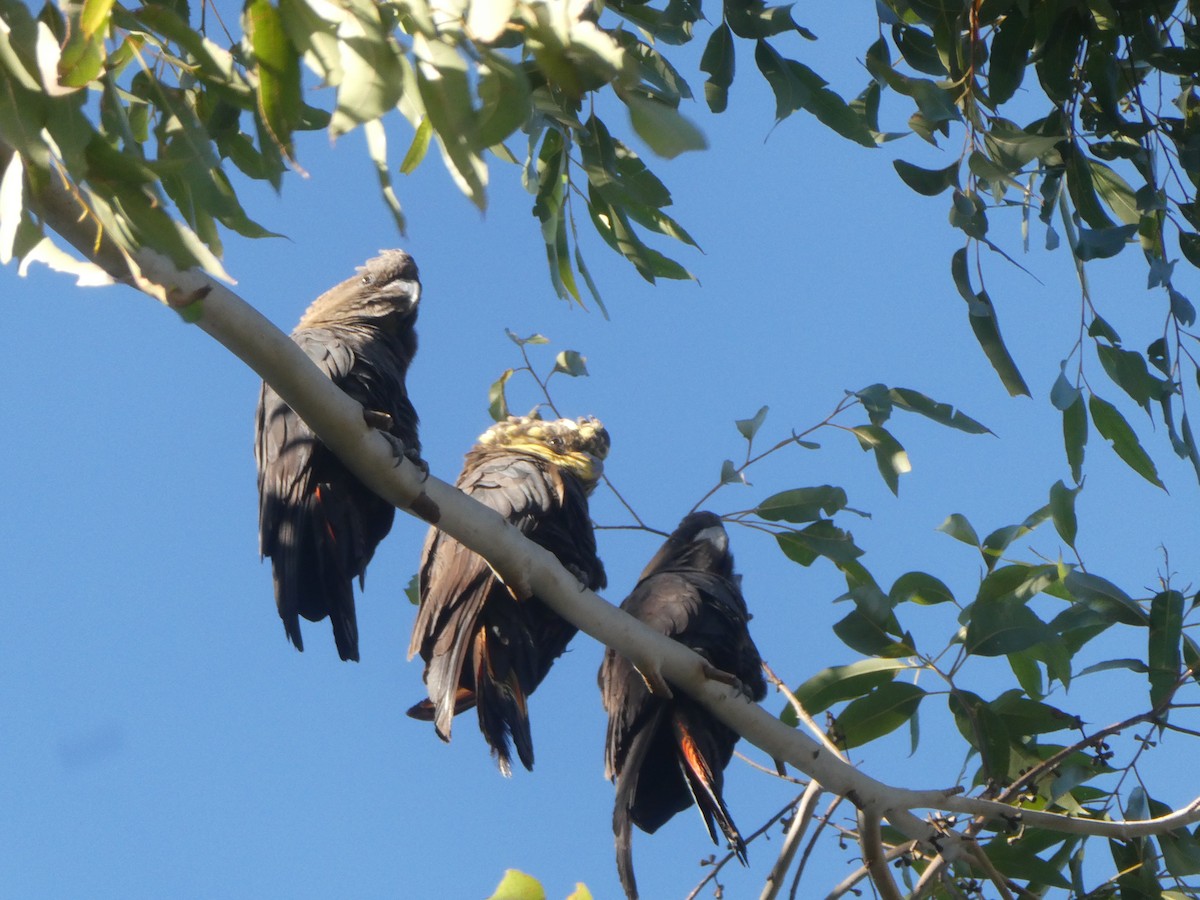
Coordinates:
x,y
730,474
1100,328
928,182
82,58
718,62
881,712
1113,428
920,588
1136,866
95,15
957,526
749,427
612,224
890,457
1133,665
1180,848
968,213
1078,175
942,413
377,150
570,362
1075,434
11,206
832,685
1013,39
1063,393
1104,597
497,402
1166,629
790,94
919,50
1128,370
486,22
279,91
821,538
986,327
1004,625
863,634
418,148
830,109
1116,192
664,129
1019,862
754,19
1103,243
1189,245
1013,148
445,90
516,885
1062,511
413,590
1024,717
877,402
532,341
504,94
1019,580
984,730
803,504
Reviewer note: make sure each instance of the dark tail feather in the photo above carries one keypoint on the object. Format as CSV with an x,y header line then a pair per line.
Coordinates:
x,y
705,787
285,561
345,626
426,711
310,582
291,628
500,703
623,839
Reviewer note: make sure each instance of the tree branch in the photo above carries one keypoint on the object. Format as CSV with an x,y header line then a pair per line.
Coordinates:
x,y
338,422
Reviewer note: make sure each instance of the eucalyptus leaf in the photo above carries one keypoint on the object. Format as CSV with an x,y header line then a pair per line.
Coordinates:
x,y
1113,428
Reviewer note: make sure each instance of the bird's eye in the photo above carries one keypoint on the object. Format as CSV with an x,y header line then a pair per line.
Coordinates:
x,y
367,279
557,444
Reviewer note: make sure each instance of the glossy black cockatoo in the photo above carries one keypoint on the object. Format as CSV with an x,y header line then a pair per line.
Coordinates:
x,y
666,754
317,522
483,647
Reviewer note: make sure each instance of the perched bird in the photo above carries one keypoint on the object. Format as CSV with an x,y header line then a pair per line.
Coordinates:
x,y
317,522
666,754
483,646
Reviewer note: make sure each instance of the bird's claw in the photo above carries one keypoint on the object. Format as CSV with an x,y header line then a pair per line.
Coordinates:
x,y
378,419
712,673
414,457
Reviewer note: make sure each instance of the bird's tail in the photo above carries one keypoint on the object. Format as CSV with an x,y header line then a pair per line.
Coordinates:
x,y
309,581
704,781
623,839
501,700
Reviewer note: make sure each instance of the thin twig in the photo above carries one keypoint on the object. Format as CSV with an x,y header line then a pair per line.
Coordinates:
x,y
791,841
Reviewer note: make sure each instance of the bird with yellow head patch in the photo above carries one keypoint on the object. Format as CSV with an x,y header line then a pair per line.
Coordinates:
x,y
482,646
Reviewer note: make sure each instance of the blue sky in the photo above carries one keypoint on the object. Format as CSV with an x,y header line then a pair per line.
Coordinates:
x,y
163,738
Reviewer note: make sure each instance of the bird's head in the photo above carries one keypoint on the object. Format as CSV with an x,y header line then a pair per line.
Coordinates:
x,y
699,542
577,445
387,286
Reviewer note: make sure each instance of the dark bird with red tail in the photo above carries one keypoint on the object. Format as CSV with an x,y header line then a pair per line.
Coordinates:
x,y
666,754
317,522
483,646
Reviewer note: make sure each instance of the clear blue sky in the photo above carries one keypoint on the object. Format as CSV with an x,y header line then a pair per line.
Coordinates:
x,y
161,738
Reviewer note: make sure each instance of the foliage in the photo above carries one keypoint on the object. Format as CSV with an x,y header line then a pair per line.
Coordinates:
x,y
151,117
1107,153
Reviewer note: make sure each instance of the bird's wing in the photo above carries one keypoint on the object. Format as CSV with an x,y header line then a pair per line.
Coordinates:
x,y
455,582
284,445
